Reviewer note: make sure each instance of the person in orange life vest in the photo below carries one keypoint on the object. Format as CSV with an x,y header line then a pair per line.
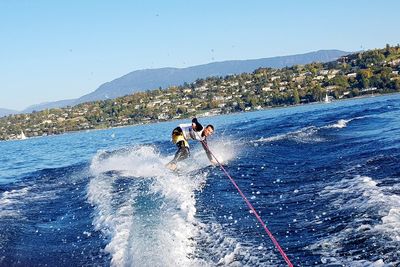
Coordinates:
x,y
185,132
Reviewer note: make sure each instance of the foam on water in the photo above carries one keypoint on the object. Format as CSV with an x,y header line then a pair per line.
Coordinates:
x,y
146,211
307,134
9,200
12,201
141,237
126,162
339,124
222,148
342,123
222,248
304,135
375,212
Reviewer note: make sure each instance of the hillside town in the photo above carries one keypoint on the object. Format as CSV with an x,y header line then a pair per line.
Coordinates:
x,y
364,73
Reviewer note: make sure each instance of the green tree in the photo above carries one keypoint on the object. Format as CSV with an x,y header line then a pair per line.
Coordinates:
x,y
396,85
355,92
253,102
181,110
317,93
339,80
296,98
387,50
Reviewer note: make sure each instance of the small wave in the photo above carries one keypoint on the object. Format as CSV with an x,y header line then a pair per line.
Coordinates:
x,y
304,135
339,124
9,200
342,123
127,161
331,261
12,202
221,248
374,217
272,138
391,224
307,134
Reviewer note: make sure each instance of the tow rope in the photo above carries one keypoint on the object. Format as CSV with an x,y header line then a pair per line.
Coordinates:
x,y
271,236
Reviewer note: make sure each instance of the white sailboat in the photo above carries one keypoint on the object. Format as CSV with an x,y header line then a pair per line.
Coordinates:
x,y
327,100
21,136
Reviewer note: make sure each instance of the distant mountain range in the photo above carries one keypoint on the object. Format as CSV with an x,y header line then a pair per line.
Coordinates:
x,y
5,112
141,80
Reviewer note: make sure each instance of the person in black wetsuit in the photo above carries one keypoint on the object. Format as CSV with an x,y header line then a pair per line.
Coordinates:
x,y
185,132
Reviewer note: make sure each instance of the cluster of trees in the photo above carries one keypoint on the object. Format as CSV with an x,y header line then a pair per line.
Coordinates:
x,y
371,71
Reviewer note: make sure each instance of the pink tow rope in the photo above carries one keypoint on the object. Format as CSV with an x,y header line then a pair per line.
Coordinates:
x,y
285,257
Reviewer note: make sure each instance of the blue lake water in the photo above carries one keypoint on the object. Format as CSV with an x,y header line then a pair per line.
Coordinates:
x,y
323,177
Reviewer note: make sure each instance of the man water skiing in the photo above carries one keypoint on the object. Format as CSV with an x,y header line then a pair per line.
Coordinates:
x,y
185,132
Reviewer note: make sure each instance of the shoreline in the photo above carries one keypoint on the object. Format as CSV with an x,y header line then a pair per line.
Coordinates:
x,y
212,115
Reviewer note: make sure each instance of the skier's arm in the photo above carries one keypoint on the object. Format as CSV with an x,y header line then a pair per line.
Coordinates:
x,y
208,152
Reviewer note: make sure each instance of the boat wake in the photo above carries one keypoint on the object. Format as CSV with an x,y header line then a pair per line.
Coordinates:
x,y
148,213
308,134
367,215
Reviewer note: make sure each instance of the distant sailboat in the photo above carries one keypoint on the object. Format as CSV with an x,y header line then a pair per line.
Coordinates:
x,y
22,136
327,100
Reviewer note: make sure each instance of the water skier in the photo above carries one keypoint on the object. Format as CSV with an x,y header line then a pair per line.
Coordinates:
x,y
185,132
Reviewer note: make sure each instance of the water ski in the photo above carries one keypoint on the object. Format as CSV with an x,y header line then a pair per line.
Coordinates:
x,y
172,166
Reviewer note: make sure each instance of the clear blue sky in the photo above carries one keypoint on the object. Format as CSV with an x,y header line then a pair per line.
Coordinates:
x,y
54,50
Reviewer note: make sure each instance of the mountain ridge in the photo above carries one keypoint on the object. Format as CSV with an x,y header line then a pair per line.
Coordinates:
x,y
147,79
6,111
